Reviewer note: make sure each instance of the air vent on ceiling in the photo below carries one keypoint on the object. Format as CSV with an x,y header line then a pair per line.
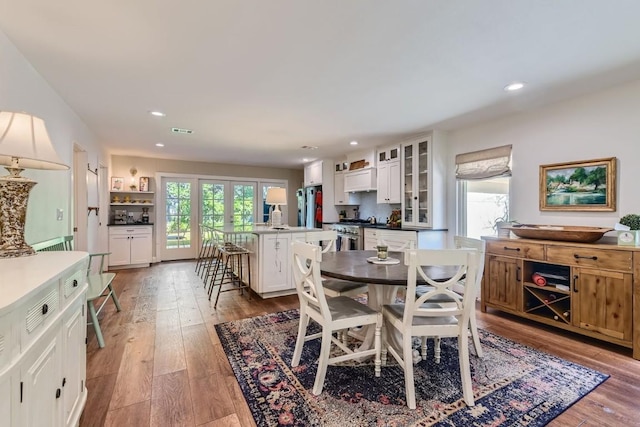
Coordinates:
x,y
309,147
183,131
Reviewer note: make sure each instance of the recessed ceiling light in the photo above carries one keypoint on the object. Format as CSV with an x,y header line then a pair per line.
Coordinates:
x,y
354,143
514,86
157,113
159,144
305,160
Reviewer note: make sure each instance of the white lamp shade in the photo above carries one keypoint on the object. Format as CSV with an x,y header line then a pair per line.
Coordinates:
x,y
276,196
25,137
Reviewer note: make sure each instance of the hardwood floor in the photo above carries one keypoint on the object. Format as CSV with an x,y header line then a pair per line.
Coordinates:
x,y
163,364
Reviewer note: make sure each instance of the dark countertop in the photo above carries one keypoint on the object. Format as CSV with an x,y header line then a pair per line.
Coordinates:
x,y
386,227
129,225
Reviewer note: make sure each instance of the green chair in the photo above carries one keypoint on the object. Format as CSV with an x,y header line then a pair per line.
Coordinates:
x,y
100,283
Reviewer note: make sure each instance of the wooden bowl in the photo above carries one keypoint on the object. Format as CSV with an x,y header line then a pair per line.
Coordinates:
x,y
566,233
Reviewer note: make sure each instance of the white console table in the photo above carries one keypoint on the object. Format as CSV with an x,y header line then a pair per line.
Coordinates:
x,y
43,331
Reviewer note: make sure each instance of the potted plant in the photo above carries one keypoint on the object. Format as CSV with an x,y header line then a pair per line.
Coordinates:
x,y
630,237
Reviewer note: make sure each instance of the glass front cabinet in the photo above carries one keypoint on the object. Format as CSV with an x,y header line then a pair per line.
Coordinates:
x,y
422,184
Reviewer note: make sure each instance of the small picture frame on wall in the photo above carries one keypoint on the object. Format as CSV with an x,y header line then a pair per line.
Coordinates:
x,y
117,183
144,183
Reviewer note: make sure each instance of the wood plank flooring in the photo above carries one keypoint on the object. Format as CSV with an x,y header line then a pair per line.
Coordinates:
x,y
163,364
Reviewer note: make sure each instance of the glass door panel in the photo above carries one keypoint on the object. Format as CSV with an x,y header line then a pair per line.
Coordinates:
x,y
423,182
408,184
244,203
212,203
178,239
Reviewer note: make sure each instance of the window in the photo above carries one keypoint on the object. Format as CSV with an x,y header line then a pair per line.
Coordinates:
x,y
483,190
483,204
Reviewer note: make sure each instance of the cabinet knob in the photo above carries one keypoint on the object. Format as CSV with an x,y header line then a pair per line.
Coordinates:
x,y
45,309
75,283
58,393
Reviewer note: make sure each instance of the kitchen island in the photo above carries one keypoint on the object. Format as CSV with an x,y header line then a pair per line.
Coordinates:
x,y
270,260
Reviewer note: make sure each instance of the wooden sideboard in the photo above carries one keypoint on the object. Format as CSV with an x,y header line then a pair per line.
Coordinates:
x,y
43,330
588,288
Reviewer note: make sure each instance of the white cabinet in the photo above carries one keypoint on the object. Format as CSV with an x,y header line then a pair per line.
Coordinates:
x,y
341,197
313,173
423,182
274,251
389,182
389,154
130,245
41,383
360,180
393,238
273,259
43,332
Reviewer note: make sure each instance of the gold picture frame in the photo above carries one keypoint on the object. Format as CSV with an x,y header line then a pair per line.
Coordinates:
x,y
588,185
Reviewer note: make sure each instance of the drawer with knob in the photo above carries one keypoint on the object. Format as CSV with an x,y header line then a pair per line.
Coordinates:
x,y
38,312
517,249
591,257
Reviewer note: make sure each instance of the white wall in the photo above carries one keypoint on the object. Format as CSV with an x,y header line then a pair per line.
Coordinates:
x,y
599,125
23,89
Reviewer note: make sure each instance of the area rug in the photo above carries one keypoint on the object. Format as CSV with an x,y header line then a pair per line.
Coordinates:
x,y
513,385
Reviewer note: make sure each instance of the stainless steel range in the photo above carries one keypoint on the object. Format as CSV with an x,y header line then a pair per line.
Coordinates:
x,y
350,236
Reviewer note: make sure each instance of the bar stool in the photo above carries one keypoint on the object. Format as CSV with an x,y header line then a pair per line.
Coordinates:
x,y
206,249
229,269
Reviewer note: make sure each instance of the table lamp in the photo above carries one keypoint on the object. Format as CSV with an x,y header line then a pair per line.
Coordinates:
x,y
276,196
24,144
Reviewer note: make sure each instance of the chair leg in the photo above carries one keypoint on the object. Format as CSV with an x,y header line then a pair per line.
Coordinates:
x,y
96,325
465,369
114,297
436,348
423,348
407,357
302,331
378,345
323,361
473,325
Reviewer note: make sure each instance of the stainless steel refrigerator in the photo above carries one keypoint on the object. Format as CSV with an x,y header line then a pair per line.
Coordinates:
x,y
310,207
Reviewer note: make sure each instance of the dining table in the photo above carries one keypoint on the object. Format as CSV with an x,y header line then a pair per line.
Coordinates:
x,y
384,279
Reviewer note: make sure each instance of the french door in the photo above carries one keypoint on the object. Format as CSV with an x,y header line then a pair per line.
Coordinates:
x,y
226,203
179,237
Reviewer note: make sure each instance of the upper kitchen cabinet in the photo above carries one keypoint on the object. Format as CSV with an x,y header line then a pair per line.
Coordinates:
x,y
313,173
389,154
388,180
423,181
341,197
362,171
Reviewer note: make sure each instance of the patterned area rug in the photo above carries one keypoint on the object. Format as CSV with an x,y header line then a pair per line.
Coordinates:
x,y
513,385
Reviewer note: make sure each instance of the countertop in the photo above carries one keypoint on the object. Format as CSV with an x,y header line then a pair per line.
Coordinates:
x,y
386,227
129,225
262,229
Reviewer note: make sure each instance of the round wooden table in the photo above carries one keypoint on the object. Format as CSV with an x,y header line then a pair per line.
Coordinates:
x,y
353,266
383,280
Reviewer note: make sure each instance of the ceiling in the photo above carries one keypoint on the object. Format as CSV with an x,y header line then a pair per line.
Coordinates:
x,y
257,80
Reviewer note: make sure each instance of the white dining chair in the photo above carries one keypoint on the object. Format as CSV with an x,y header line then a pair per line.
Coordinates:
x,y
461,242
419,316
332,314
334,287
390,240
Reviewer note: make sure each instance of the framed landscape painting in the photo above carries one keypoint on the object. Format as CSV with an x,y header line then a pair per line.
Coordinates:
x,y
579,186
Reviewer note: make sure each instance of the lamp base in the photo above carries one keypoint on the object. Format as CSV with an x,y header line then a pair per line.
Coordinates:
x,y
14,195
276,217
